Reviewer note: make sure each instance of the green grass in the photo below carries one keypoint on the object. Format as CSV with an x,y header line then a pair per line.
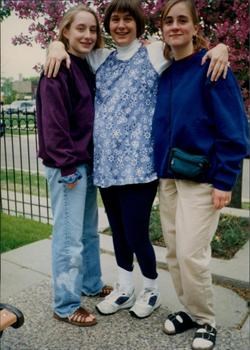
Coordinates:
x,y
246,205
231,235
17,232
99,199
21,182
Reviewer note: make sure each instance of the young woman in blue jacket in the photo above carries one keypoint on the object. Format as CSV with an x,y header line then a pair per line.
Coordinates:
x,y
195,119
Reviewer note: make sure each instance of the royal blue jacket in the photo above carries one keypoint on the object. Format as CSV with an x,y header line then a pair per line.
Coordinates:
x,y
200,117
65,117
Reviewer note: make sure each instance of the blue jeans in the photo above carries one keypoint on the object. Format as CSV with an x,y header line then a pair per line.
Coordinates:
x,y
75,241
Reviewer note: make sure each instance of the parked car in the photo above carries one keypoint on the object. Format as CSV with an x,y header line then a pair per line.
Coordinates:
x,y
4,108
21,106
31,109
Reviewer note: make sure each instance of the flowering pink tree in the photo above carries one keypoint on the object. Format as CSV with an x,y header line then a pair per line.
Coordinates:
x,y
222,20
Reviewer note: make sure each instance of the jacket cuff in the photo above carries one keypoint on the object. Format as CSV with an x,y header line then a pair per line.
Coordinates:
x,y
222,186
68,171
70,179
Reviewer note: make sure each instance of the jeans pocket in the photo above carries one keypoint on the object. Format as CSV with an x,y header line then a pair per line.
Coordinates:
x,y
51,173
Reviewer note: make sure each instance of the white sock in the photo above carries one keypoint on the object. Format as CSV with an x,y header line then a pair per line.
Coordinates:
x,y
149,283
125,280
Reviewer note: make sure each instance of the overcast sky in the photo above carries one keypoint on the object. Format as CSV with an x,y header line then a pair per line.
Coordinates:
x,y
19,59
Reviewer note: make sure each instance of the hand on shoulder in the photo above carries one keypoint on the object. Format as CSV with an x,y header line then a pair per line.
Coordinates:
x,y
56,55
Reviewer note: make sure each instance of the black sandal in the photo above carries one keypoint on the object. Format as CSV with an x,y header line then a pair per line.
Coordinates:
x,y
17,316
207,334
181,322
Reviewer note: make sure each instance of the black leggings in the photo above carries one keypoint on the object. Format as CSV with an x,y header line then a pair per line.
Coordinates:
x,y
128,209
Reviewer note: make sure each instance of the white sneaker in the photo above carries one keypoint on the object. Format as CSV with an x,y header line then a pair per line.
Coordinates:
x,y
147,301
115,301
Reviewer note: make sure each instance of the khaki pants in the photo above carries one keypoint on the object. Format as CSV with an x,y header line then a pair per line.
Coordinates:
x,y
189,222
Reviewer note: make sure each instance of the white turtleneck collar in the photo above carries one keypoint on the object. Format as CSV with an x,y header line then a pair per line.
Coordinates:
x,y
126,52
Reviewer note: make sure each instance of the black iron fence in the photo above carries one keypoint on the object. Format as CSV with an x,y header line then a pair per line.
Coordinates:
x,y
24,190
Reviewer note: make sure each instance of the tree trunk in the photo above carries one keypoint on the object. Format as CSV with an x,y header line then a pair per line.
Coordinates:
x,y
236,201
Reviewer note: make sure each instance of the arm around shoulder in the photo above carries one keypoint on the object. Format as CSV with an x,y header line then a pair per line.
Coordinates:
x,y
156,56
56,55
97,57
218,65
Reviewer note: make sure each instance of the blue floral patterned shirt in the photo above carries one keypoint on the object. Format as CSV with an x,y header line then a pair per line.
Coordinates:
x,y
124,107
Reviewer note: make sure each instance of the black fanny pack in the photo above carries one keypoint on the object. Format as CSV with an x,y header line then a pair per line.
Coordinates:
x,y
187,165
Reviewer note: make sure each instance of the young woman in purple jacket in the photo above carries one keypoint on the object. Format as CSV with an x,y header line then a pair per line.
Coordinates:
x,y
65,115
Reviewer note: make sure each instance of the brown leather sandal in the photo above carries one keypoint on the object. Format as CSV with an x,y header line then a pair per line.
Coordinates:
x,y
78,318
106,290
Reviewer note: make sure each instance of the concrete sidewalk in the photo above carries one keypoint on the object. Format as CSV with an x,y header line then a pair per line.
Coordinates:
x,y
25,277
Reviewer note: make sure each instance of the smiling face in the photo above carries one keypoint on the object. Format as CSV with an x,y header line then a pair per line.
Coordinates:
x,y
82,34
122,28
178,30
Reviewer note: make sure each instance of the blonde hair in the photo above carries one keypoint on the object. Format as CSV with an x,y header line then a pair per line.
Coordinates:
x,y
199,41
69,17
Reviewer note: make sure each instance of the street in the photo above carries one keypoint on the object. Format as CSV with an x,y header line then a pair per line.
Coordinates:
x,y
21,153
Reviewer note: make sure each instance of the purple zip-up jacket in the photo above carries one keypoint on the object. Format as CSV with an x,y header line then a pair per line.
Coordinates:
x,y
65,117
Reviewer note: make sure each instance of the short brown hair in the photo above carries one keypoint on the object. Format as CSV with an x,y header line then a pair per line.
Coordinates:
x,y
131,6
69,17
199,41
